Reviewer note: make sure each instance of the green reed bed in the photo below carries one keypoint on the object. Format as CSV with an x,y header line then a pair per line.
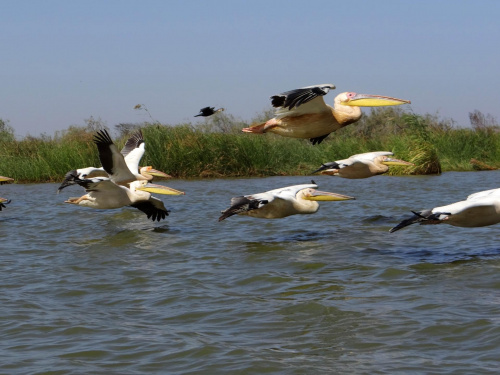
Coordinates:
x,y
218,148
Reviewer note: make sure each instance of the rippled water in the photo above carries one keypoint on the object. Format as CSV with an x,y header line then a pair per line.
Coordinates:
x,y
85,291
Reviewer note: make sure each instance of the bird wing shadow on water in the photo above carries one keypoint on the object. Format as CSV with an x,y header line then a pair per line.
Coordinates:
x,y
378,219
380,223
461,257
419,256
296,236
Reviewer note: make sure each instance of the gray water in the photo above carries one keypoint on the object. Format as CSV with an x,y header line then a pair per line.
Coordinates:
x,y
85,291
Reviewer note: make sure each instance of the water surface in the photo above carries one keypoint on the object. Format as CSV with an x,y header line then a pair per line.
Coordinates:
x,y
87,291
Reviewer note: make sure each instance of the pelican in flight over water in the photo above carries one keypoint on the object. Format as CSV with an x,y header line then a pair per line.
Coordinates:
x,y
283,202
302,113
478,210
104,194
208,111
361,165
125,163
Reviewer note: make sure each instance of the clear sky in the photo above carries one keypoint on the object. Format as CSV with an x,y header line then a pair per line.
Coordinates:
x,y
63,61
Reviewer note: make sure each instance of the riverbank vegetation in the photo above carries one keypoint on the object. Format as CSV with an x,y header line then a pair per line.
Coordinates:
x,y
218,148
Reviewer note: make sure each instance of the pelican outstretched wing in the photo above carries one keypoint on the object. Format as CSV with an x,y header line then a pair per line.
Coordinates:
x,y
294,98
111,159
133,151
153,208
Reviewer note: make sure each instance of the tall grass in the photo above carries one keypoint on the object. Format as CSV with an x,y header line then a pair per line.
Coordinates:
x,y
218,148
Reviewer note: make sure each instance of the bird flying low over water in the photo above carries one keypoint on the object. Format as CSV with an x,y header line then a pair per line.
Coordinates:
x,y
208,111
361,165
478,210
5,180
104,194
279,203
302,113
122,167
3,202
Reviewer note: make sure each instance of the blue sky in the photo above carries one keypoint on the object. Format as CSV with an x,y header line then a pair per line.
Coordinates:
x,y
65,61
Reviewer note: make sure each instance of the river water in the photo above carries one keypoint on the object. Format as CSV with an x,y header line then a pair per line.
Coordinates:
x,y
85,291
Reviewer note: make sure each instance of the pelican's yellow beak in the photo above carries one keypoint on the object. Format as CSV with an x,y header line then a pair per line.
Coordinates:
x,y
364,100
392,161
316,195
160,189
156,173
3,200
4,180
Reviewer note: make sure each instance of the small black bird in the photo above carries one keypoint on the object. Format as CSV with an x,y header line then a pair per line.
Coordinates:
x,y
208,111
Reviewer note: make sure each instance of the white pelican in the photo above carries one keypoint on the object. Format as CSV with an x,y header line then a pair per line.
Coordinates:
x,y
104,194
127,162
5,180
208,111
361,165
302,113
478,210
278,203
3,202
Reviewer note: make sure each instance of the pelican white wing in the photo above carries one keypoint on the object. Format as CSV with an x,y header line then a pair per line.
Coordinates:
x,y
370,155
133,151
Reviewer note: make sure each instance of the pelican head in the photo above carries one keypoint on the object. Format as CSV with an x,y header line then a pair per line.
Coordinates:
x,y
316,195
143,185
365,100
150,171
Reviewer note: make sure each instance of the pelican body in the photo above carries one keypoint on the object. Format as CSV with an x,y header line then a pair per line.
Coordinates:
x,y
104,194
302,113
279,203
361,165
122,167
478,210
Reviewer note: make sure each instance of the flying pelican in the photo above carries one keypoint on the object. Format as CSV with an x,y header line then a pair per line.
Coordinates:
x,y
302,113
361,165
208,111
5,180
104,194
478,210
3,202
127,162
278,203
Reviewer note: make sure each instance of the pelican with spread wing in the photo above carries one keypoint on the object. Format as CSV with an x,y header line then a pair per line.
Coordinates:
x,y
122,167
478,210
283,202
362,165
302,113
104,194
